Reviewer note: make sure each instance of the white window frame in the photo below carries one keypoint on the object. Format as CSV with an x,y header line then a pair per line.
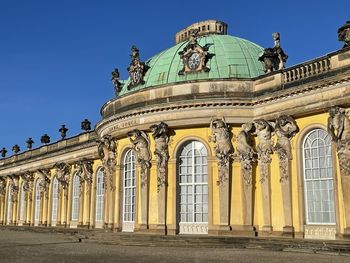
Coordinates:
x,y
315,159
54,208
187,152
129,191
100,195
75,197
37,203
22,204
9,205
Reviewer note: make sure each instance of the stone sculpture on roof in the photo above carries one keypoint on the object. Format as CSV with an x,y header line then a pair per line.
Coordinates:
x,y
274,58
137,69
344,34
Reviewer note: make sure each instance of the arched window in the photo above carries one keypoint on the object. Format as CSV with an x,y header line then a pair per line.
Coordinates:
x,y
54,201
37,203
129,190
100,193
75,197
318,178
193,188
9,205
22,204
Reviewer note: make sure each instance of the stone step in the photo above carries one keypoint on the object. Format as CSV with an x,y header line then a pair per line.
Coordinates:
x,y
138,239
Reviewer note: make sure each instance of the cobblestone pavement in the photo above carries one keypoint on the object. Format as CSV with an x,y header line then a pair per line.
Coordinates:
x,y
53,247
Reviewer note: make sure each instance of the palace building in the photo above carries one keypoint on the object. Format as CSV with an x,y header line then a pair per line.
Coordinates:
x,y
212,136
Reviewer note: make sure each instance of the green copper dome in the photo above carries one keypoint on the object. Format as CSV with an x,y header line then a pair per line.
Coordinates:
x,y
231,58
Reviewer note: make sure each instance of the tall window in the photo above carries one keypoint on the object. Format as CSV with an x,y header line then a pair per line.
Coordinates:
x,y
75,197
129,187
22,204
9,205
54,200
318,178
193,183
37,202
100,193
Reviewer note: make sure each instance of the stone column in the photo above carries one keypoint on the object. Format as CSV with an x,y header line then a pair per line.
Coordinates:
x,y
1,209
107,150
263,130
245,155
117,196
220,135
247,197
48,212
107,198
2,199
285,129
42,206
288,229
266,195
63,171
81,204
144,198
65,210
160,134
141,145
59,205
14,189
87,204
28,184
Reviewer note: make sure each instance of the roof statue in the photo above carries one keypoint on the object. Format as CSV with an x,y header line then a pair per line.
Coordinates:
x,y
116,82
344,34
274,58
137,69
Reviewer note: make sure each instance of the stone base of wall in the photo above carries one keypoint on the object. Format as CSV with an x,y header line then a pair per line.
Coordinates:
x,y
245,231
319,232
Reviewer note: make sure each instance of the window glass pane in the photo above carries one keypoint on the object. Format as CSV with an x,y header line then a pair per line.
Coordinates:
x,y
129,186
318,178
99,195
193,181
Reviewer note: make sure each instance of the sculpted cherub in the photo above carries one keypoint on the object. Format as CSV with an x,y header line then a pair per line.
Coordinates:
x,y
263,130
285,129
221,136
161,138
62,173
245,150
107,151
141,143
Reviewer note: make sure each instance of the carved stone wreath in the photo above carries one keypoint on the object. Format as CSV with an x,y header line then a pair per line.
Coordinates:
x,y
194,56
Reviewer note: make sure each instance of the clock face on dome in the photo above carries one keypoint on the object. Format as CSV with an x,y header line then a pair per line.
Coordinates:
x,y
136,76
194,61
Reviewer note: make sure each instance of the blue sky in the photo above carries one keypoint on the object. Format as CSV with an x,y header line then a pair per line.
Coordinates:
x,y
56,57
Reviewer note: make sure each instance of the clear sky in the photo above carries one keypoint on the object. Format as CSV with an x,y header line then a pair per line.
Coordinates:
x,y
56,56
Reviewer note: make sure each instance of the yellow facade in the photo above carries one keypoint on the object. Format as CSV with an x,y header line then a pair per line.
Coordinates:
x,y
128,179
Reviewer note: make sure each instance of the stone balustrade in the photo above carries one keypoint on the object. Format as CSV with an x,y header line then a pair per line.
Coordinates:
x,y
308,69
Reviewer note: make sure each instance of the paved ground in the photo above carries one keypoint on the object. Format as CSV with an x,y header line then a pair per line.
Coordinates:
x,y
53,247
